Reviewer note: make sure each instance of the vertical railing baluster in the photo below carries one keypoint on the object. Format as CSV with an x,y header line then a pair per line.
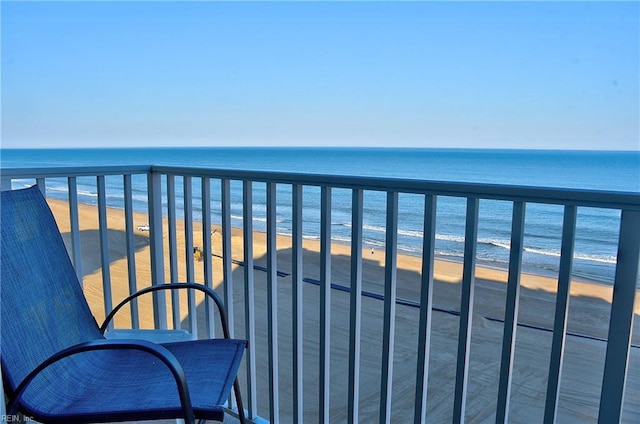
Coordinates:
x,y
227,270
272,303
42,185
249,296
154,193
325,301
297,253
355,308
187,198
511,312
207,254
389,323
173,248
103,231
466,310
131,249
5,184
561,313
621,321
74,222
426,306
3,411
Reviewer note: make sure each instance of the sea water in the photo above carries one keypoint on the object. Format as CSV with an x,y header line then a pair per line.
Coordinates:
x,y
596,234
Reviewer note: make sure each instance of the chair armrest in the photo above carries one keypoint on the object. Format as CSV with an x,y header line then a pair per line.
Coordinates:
x,y
209,292
158,351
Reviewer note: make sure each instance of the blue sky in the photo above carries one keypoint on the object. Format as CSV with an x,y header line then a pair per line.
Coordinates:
x,y
541,74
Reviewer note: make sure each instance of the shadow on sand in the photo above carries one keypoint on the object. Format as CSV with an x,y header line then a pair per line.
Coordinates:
x,y
90,242
582,370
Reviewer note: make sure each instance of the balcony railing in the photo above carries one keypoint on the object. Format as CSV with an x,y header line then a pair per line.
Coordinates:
x,y
297,361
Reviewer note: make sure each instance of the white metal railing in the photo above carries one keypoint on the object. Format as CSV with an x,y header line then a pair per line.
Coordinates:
x,y
165,198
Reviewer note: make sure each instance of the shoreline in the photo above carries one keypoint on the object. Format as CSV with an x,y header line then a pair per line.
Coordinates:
x,y
594,261
491,265
405,260
529,269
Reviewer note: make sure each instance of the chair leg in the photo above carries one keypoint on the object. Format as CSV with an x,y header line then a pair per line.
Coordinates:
x,y
236,389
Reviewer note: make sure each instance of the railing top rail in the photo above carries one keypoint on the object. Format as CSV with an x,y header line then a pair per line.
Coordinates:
x,y
547,195
73,171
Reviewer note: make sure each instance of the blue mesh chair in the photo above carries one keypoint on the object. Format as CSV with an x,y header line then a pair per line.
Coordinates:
x,y
56,364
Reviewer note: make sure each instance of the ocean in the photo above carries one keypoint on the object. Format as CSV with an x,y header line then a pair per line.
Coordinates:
x,y
597,229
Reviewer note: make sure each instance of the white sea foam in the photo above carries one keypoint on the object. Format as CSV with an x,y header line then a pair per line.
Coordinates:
x,y
498,243
59,189
87,193
596,258
264,219
449,237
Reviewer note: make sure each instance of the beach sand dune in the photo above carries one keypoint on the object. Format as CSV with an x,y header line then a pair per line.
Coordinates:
x,y
584,352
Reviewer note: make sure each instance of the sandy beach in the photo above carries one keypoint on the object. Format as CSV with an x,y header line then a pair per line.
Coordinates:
x,y
584,353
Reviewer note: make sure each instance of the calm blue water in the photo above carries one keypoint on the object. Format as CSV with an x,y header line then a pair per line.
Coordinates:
x,y
597,229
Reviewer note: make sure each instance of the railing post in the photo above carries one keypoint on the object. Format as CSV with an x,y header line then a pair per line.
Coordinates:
x,y
249,295
325,301
154,191
207,253
103,229
5,184
389,320
272,303
74,225
621,322
297,302
466,310
173,249
187,194
355,308
426,306
561,313
42,185
227,270
131,251
511,312
3,412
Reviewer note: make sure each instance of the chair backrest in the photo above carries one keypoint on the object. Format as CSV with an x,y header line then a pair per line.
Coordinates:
x,y
42,307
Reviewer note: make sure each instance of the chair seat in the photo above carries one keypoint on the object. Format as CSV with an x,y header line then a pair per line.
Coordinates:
x,y
137,386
